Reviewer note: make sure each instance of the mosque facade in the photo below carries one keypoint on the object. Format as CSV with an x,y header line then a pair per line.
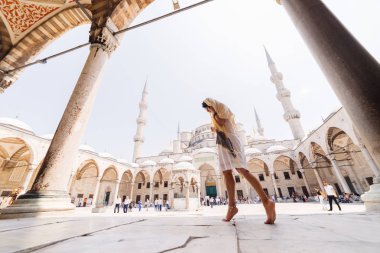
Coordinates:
x,y
189,170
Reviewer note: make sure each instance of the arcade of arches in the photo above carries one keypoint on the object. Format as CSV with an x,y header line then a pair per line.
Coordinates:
x,y
332,153
98,178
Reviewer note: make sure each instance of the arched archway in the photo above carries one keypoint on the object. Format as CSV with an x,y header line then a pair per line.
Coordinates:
x,y
309,173
289,182
107,187
126,185
350,160
260,170
16,157
160,185
324,167
141,187
82,189
209,181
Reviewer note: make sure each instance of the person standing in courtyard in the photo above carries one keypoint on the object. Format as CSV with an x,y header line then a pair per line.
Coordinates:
x,y
331,195
126,205
321,198
232,156
117,204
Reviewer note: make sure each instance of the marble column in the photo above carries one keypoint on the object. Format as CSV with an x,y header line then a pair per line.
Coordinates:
x,y
338,174
275,185
371,163
132,187
187,188
151,191
305,181
27,178
319,179
351,71
247,188
116,192
96,193
171,195
49,190
199,194
219,185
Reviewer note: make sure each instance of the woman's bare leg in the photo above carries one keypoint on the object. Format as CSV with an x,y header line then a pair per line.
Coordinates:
x,y
269,204
230,185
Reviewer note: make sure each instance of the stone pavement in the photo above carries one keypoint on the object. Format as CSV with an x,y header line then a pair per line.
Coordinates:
x,y
300,227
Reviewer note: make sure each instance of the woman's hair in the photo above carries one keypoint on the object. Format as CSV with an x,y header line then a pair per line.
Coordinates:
x,y
204,105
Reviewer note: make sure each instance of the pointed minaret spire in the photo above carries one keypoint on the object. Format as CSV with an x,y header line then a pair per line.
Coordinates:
x,y
291,115
260,129
269,59
178,132
141,121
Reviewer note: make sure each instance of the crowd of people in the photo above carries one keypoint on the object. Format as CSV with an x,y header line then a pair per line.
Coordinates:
x,y
159,204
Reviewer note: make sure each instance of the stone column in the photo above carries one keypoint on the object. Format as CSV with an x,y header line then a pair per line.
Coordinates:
x,y
132,187
351,71
305,181
371,163
219,184
96,193
338,174
116,191
171,195
187,188
275,185
357,184
151,191
49,190
27,178
246,188
199,194
319,179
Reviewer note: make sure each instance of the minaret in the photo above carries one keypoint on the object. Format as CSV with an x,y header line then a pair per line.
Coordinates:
x,y
260,129
178,133
291,115
141,121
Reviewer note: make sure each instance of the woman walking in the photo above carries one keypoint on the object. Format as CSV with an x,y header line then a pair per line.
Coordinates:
x,y
232,156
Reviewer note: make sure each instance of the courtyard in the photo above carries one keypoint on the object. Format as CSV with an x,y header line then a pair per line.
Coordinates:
x,y
300,227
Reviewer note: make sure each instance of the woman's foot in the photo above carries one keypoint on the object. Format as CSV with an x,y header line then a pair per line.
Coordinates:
x,y
231,212
270,209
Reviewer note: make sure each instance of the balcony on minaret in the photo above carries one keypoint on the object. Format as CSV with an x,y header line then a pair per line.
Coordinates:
x,y
138,138
292,115
141,121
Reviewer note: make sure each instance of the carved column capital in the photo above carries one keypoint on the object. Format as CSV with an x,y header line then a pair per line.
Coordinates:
x,y
103,38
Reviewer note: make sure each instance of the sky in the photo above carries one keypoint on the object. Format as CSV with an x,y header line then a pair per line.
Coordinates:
x,y
215,50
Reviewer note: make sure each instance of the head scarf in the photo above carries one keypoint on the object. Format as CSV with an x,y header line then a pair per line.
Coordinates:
x,y
222,111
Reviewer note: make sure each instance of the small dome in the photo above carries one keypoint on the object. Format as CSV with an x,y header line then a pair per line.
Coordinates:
x,y
183,166
122,161
251,151
185,158
205,150
149,163
106,155
276,148
87,148
167,161
48,136
134,165
166,151
16,123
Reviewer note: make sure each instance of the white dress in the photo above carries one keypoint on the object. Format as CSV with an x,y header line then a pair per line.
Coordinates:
x,y
226,159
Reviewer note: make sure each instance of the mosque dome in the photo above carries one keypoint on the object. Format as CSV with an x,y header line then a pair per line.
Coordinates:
x,y
167,161
185,158
106,155
183,166
251,151
122,161
149,163
134,165
166,151
48,136
16,123
88,148
205,150
276,148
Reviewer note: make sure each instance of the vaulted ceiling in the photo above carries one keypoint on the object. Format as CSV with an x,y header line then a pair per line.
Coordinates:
x,y
27,26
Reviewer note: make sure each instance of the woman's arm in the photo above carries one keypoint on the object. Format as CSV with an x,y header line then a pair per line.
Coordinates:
x,y
220,121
